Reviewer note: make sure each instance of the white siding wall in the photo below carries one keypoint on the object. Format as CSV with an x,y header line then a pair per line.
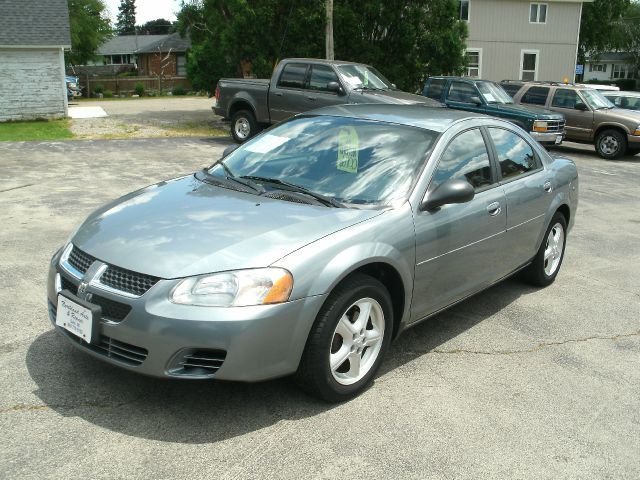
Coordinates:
x,y
502,29
32,84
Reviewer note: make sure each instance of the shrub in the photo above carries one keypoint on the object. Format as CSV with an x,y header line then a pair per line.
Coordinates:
x,y
139,88
178,90
98,88
626,84
108,94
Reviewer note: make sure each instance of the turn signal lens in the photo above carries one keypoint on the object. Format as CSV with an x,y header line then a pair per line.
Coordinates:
x,y
539,126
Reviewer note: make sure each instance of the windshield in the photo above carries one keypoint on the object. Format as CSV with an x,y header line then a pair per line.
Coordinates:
x,y
493,93
361,76
348,160
596,100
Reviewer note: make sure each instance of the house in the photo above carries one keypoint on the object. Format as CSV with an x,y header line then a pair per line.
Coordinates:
x,y
149,54
521,39
33,37
610,66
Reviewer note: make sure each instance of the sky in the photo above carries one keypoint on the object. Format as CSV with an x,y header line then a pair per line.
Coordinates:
x,y
147,9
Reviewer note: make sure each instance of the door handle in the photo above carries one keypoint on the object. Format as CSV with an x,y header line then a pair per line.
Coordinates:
x,y
547,186
494,209
277,94
313,99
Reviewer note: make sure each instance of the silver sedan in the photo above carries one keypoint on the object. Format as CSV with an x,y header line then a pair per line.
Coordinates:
x,y
306,250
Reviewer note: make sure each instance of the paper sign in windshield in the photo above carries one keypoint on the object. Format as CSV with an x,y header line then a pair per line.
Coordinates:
x,y
348,150
266,144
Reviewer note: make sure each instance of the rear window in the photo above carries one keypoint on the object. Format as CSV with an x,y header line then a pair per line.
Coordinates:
x,y
536,96
434,89
292,75
511,88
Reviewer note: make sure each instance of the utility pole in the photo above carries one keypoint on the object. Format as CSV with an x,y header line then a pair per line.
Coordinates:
x,y
329,31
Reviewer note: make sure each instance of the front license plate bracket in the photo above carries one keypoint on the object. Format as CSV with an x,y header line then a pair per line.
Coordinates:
x,y
78,317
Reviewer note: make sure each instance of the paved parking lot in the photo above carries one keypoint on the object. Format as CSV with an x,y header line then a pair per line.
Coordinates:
x,y
513,383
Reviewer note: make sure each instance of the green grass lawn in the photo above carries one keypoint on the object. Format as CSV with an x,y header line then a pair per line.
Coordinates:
x,y
35,130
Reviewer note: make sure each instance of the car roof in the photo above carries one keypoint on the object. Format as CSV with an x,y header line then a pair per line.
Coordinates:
x,y
323,61
462,79
436,119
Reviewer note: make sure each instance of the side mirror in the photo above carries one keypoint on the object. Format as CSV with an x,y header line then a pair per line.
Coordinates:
x,y
475,100
455,190
335,88
229,149
394,85
581,106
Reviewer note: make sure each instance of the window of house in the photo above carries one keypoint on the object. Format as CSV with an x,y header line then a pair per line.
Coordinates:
x,y
598,67
321,76
434,89
465,157
516,156
536,96
529,65
621,71
538,13
292,75
181,65
464,10
565,98
474,59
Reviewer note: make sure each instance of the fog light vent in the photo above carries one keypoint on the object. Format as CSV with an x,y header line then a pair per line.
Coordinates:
x,y
197,363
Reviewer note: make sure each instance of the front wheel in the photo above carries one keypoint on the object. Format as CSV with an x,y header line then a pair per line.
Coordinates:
x,y
347,341
243,126
546,264
611,144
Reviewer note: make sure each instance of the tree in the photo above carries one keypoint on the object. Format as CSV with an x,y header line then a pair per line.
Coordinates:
x,y
160,26
598,31
629,34
126,24
90,27
405,39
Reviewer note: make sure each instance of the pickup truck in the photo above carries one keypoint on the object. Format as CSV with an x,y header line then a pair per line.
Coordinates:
x,y
301,84
482,96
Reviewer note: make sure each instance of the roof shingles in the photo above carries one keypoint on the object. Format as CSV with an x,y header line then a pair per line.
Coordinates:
x,y
34,23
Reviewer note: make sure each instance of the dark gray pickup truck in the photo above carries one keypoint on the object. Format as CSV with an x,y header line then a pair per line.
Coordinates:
x,y
299,85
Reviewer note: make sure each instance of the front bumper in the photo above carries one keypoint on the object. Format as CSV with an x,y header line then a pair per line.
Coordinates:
x,y
253,343
548,138
633,141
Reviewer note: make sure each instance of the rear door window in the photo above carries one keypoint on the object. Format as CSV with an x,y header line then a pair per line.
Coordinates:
x,y
536,96
434,88
461,92
292,75
515,155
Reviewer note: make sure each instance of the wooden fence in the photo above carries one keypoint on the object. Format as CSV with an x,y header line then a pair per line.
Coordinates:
x,y
126,85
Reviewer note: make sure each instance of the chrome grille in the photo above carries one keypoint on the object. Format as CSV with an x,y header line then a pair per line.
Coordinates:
x,y
127,281
79,260
68,285
555,125
111,310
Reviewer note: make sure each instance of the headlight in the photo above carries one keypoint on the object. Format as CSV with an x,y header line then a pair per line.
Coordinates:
x,y
540,126
241,288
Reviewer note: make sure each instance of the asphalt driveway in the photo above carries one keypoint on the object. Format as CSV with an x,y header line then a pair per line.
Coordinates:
x,y
513,383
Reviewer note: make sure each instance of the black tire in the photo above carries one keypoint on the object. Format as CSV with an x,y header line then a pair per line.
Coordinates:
x,y
611,144
314,372
632,152
535,273
243,126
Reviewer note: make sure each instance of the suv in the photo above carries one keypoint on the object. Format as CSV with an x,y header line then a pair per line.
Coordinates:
x,y
591,118
482,96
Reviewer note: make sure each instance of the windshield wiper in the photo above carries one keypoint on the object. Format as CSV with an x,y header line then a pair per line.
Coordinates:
x,y
328,201
240,180
227,179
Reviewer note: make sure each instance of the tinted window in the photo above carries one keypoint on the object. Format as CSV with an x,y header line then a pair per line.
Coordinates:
x,y
465,157
516,156
434,89
511,88
321,75
565,98
461,92
292,75
353,161
536,96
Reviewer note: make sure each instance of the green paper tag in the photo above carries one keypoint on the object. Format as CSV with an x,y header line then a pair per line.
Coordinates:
x,y
348,150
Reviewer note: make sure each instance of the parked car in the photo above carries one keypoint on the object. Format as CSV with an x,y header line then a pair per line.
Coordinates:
x,y
73,87
308,248
482,96
601,88
298,85
590,117
625,100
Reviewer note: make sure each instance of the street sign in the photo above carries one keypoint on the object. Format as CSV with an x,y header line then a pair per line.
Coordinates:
x,y
579,69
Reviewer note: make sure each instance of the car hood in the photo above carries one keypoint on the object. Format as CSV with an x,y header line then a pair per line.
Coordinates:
x,y
185,227
516,109
391,96
630,118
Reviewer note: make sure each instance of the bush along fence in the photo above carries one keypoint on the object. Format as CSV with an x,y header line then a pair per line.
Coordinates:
x,y
133,85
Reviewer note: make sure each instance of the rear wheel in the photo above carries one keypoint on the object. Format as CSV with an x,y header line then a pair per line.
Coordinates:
x,y
347,341
611,144
243,126
546,264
